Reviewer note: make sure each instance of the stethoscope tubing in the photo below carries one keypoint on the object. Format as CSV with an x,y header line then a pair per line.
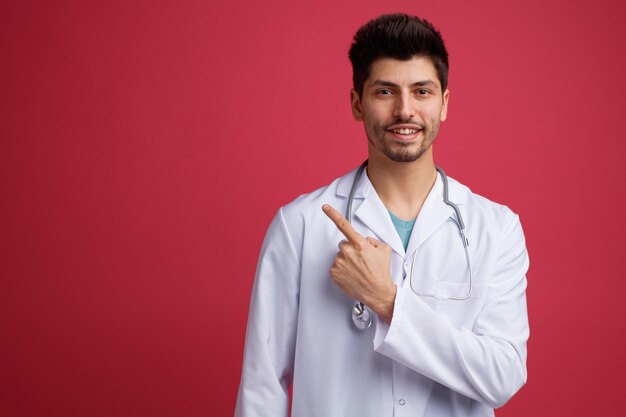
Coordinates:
x,y
361,316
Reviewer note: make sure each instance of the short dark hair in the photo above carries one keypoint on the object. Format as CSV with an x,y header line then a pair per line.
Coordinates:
x,y
399,36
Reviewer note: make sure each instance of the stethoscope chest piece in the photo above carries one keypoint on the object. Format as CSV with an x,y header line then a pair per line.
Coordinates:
x,y
361,316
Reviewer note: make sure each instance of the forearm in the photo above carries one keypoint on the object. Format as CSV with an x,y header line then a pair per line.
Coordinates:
x,y
487,368
270,337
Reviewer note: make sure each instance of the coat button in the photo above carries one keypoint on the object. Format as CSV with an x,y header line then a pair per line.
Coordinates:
x,y
401,402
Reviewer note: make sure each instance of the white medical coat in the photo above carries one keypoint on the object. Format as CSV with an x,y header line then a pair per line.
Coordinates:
x,y
437,357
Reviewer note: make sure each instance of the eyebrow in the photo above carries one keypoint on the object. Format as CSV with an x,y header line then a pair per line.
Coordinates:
x,y
424,83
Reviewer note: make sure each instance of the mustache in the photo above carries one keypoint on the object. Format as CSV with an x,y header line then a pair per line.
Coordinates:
x,y
404,122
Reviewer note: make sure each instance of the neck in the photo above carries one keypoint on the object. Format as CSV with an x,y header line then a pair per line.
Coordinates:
x,y
402,186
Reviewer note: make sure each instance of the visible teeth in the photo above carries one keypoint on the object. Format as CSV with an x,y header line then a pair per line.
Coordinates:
x,y
405,131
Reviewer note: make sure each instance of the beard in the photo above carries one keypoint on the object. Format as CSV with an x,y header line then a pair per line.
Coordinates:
x,y
397,151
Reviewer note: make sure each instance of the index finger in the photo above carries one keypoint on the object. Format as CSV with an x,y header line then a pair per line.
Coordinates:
x,y
342,224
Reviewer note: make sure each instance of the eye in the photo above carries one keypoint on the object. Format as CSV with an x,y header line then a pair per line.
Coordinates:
x,y
384,92
422,92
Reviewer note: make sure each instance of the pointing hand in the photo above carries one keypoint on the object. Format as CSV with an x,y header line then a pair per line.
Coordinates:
x,y
361,268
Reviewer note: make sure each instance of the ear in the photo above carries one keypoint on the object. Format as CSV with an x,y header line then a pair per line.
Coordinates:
x,y
444,108
355,102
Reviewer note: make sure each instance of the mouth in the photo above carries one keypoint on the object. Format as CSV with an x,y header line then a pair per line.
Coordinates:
x,y
405,133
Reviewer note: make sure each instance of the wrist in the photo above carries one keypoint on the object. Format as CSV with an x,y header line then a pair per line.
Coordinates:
x,y
383,304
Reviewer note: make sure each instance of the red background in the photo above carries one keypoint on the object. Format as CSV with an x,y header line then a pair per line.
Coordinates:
x,y
146,145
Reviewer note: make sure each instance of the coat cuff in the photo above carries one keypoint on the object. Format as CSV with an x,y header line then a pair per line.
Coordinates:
x,y
386,331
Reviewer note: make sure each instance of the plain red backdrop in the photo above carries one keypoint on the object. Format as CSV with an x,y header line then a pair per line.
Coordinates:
x,y
146,145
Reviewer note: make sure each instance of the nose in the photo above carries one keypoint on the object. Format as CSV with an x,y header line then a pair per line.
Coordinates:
x,y
404,107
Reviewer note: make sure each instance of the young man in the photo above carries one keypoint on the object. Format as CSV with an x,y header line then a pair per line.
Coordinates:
x,y
417,306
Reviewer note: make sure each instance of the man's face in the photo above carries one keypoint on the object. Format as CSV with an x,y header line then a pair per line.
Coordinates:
x,y
401,107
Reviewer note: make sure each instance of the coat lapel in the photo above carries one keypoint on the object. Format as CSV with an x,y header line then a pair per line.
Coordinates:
x,y
371,212
433,214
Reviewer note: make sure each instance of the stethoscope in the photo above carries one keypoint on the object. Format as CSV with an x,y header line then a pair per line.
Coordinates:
x,y
361,315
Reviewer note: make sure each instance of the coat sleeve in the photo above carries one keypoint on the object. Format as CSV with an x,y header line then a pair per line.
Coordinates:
x,y
487,362
270,336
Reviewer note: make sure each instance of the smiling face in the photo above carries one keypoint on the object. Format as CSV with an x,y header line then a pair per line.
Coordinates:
x,y
401,107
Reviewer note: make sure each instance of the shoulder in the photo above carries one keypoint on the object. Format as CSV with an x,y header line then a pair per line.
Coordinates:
x,y
310,204
497,236
484,217
305,212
